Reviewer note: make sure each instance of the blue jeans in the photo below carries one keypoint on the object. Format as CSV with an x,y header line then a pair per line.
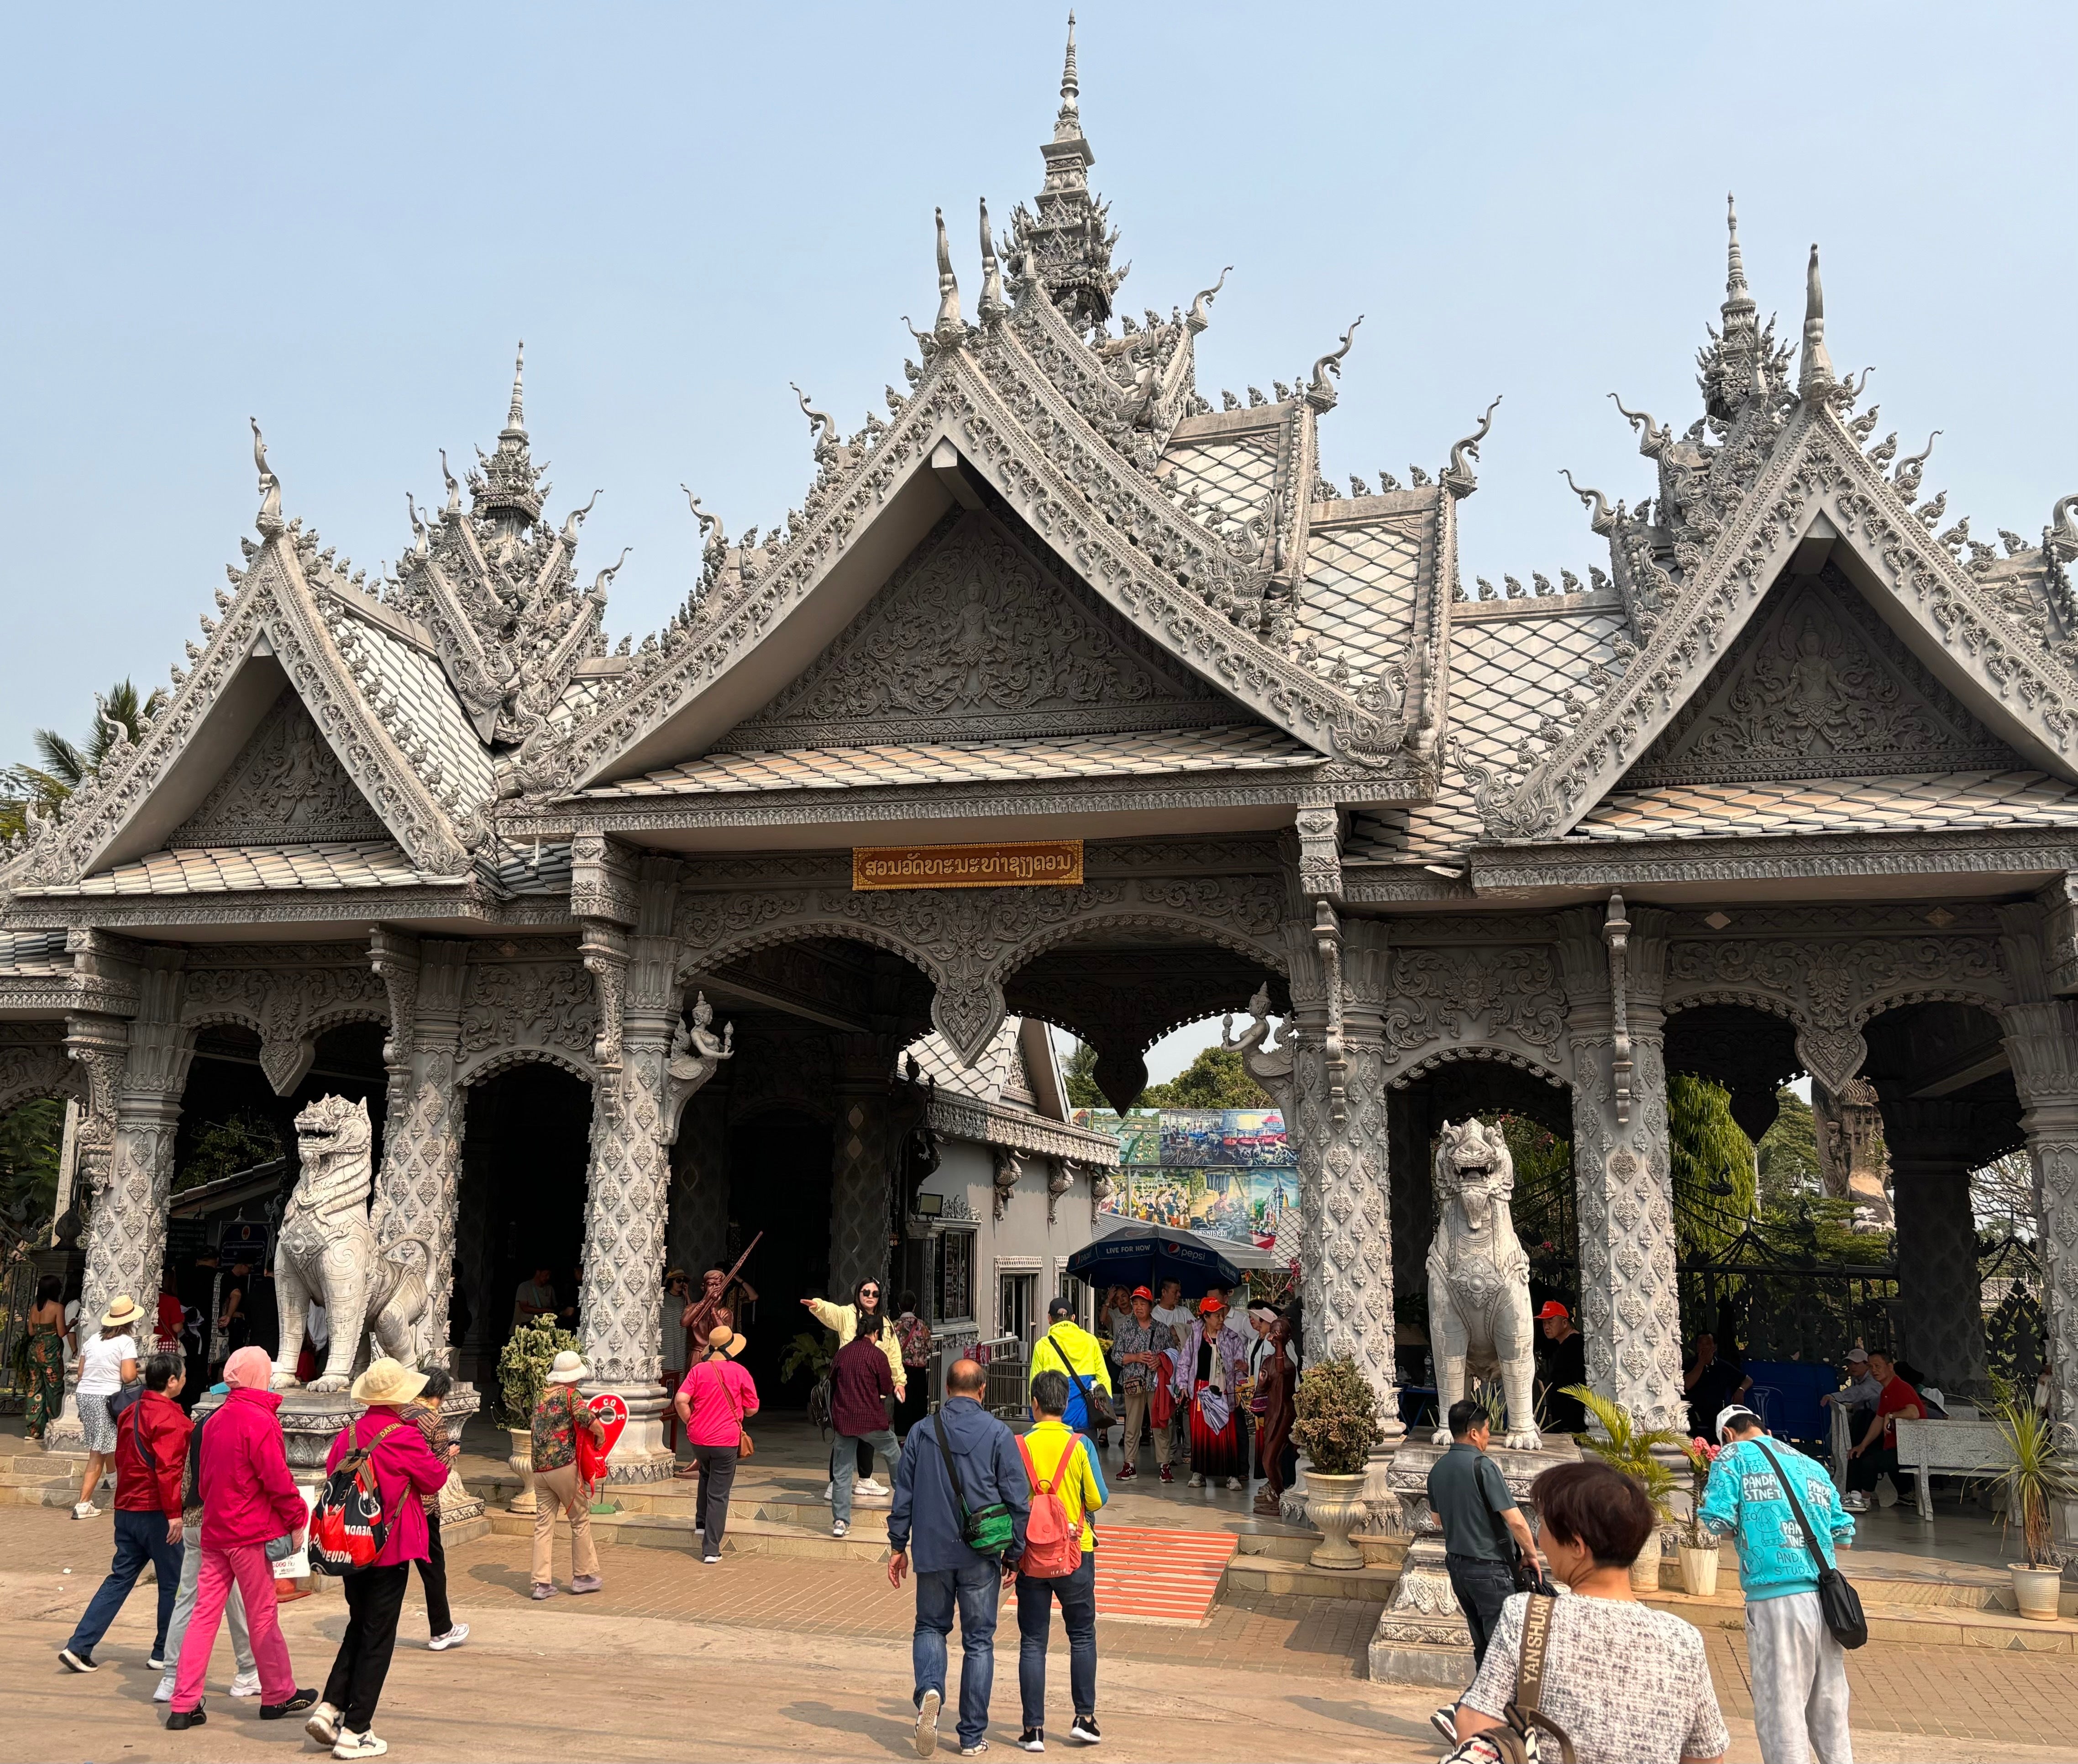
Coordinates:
x,y
845,1466
139,1538
1482,1587
1078,1594
976,1588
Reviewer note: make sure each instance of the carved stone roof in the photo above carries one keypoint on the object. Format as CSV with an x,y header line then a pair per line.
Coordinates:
x,y
228,869
1139,754
986,1079
1896,804
34,953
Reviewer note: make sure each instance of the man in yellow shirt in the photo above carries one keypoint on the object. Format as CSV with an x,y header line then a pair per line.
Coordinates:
x,y
1064,1460
1068,1347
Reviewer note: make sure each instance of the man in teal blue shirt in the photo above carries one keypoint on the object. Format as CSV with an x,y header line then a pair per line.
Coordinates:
x,y
1798,1671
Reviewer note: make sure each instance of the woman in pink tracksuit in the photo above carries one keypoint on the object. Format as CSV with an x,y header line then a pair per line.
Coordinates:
x,y
247,1498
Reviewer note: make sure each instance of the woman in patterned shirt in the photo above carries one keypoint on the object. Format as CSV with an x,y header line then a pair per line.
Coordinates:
x,y
1629,1685
557,1416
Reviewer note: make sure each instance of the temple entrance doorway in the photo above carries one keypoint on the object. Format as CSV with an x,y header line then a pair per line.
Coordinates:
x,y
780,1164
526,1147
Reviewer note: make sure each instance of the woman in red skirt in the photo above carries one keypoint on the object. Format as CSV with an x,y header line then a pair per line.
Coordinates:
x,y
1212,1366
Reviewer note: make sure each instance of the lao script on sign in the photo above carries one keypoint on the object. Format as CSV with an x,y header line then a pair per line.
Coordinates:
x,y
1036,863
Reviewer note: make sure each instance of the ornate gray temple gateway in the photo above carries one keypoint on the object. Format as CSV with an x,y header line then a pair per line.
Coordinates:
x,y
1791,786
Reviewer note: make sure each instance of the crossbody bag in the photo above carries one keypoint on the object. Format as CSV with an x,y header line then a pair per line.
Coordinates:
x,y
987,1532
1097,1412
1838,1604
745,1446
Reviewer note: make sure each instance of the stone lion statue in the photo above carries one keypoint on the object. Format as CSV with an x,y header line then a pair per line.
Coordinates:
x,y
327,1251
1479,1280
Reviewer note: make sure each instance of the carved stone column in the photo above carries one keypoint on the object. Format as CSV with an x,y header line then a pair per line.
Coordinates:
x,y
863,1165
2042,1040
419,1192
1630,1302
126,1234
1939,1315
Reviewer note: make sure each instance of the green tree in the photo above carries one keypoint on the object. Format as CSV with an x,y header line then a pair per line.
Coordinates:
x,y
1079,1076
68,764
1713,1164
1789,1153
224,1148
1215,1079
31,1138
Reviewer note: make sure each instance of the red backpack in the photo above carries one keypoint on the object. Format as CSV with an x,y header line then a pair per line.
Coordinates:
x,y
1053,1542
348,1525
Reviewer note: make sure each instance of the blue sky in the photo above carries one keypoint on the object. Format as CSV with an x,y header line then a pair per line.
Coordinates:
x,y
341,220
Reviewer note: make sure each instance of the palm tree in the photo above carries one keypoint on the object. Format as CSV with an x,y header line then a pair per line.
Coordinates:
x,y
66,764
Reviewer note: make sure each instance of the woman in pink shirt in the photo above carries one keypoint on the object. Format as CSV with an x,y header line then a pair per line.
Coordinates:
x,y
712,1403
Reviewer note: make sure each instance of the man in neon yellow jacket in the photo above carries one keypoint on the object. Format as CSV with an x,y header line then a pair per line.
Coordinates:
x,y
1069,1349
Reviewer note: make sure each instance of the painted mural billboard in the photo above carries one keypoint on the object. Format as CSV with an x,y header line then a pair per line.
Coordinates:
x,y
1227,1173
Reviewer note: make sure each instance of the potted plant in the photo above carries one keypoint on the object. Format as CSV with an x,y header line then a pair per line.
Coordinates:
x,y
1336,1427
523,1375
1629,1447
1698,1547
2038,1473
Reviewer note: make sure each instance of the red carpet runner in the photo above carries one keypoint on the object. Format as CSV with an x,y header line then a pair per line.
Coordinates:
x,y
1145,1575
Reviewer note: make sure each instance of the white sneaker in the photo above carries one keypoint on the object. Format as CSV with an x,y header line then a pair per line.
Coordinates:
x,y
246,1683
85,1509
872,1486
323,1725
927,1724
165,1693
1197,1482
1233,1482
838,1527
359,1745
453,1638
829,1490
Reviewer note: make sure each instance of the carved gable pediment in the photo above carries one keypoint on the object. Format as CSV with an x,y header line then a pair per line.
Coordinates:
x,y
1818,686
979,635
286,787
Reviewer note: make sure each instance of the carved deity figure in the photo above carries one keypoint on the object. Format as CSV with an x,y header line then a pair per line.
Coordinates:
x,y
1479,1280
1269,1066
695,1049
327,1251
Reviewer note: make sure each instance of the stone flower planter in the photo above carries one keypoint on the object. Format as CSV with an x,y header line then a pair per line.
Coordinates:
x,y
1699,1571
2035,1591
1336,1504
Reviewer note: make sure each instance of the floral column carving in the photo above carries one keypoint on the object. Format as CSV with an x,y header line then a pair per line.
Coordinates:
x,y
863,1165
1940,1316
421,1186
1629,1300
635,1102
2042,1040
698,1226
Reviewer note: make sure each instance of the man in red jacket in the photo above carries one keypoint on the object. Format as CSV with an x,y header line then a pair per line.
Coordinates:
x,y
151,1445
248,1498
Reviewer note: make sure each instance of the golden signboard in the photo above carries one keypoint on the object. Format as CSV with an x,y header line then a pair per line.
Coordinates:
x,y
1032,863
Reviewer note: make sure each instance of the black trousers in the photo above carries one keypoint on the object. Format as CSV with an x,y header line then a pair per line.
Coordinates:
x,y
717,1477
1483,1587
1862,1472
375,1599
433,1574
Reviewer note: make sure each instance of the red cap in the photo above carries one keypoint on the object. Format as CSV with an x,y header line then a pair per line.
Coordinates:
x,y
1209,1304
1141,1292
1552,1308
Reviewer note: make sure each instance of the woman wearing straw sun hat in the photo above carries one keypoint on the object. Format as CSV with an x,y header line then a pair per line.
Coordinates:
x,y
558,1482
106,1364
713,1401
404,1469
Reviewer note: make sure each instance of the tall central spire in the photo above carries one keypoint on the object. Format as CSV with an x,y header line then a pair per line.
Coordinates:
x,y
1066,246
507,485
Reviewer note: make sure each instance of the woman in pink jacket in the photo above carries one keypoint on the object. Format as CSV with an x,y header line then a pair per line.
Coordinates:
x,y
404,1469
247,1498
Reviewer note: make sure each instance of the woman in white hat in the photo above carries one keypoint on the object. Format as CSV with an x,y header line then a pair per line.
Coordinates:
x,y
404,1469
105,1365
557,1416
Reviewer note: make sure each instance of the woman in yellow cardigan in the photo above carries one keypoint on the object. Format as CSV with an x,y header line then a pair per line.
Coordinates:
x,y
865,1315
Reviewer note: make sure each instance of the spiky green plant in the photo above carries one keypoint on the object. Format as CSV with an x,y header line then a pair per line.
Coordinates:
x,y
1338,1417
524,1365
1628,1447
2038,1473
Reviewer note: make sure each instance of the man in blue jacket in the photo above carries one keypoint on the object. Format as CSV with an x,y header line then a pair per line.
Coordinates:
x,y
924,1526
1798,1671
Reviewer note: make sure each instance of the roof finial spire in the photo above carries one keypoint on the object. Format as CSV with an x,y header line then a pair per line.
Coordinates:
x,y
516,418
992,306
1071,89
1817,375
950,327
1736,299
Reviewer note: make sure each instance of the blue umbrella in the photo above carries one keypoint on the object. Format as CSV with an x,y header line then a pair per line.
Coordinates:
x,y
1134,1253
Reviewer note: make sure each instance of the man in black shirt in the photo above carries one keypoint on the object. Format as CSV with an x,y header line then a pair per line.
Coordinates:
x,y
1565,1362
1482,1525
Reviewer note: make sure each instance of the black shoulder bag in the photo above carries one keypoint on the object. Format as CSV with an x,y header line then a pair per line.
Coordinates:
x,y
1838,1603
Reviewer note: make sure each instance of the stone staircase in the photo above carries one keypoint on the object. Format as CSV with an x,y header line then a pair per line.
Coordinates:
x,y
1975,1612
31,1477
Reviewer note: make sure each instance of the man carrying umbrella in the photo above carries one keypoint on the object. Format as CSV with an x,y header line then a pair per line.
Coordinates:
x,y
1138,1346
